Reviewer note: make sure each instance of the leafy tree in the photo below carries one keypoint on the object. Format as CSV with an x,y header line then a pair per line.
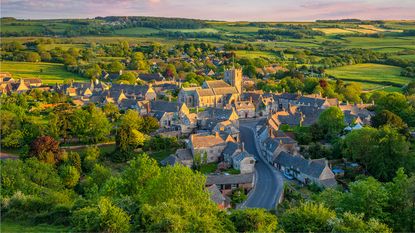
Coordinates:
x,y
112,218
46,149
13,140
32,57
354,223
176,200
115,67
139,172
254,220
366,196
129,77
238,196
70,175
94,72
92,154
150,124
386,117
331,121
170,71
308,217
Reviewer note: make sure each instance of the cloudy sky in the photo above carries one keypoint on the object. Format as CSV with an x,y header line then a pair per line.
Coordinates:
x,y
233,10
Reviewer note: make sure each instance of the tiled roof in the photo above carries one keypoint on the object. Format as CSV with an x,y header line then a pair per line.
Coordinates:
x,y
205,92
218,113
199,141
224,90
240,156
216,83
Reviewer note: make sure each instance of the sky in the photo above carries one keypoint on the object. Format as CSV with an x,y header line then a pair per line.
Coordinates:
x,y
230,10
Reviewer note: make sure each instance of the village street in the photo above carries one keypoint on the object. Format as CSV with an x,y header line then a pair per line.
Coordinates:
x,y
269,182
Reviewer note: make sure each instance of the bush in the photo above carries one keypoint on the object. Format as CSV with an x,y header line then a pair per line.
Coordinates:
x,y
86,220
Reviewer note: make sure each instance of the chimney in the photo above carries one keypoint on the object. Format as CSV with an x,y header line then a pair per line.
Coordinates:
x,y
217,134
243,147
250,99
148,108
169,98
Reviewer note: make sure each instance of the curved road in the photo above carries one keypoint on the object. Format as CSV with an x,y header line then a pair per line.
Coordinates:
x,y
269,182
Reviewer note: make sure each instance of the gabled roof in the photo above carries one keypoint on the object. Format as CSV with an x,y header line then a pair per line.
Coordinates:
x,y
230,179
218,113
230,148
204,92
309,167
151,77
202,141
224,90
164,106
215,194
170,160
242,155
215,84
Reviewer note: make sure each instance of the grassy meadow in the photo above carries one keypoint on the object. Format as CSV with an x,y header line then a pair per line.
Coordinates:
x,y
50,73
9,227
371,76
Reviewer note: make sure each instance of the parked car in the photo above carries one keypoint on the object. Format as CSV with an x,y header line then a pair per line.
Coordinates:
x,y
288,176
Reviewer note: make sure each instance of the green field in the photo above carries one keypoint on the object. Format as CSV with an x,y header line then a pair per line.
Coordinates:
x,y
374,73
254,54
50,73
12,227
63,46
137,31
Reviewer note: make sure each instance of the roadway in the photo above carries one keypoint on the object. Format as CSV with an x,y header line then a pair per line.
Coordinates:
x,y
268,181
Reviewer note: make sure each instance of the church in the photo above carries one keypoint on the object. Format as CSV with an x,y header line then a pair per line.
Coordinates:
x,y
214,93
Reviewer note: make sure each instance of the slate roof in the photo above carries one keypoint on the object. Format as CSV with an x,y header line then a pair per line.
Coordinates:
x,y
215,194
184,154
309,167
240,156
164,106
310,114
288,96
128,103
230,148
218,113
230,179
170,160
137,90
158,115
151,77
311,101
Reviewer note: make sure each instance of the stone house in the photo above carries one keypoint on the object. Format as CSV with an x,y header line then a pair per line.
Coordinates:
x,y
304,170
227,183
211,145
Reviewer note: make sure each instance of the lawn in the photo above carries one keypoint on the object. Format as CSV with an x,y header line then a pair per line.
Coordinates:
x,y
160,155
208,168
369,73
50,73
13,227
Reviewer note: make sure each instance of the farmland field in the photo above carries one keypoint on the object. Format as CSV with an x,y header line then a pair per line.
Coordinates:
x,y
369,74
137,31
254,54
50,73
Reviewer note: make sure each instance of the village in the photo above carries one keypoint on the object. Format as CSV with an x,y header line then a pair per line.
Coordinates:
x,y
209,119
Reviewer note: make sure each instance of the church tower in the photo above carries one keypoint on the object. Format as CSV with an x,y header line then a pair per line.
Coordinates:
x,y
234,78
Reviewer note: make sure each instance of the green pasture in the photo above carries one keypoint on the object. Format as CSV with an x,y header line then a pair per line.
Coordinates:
x,y
254,54
137,31
50,73
373,73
